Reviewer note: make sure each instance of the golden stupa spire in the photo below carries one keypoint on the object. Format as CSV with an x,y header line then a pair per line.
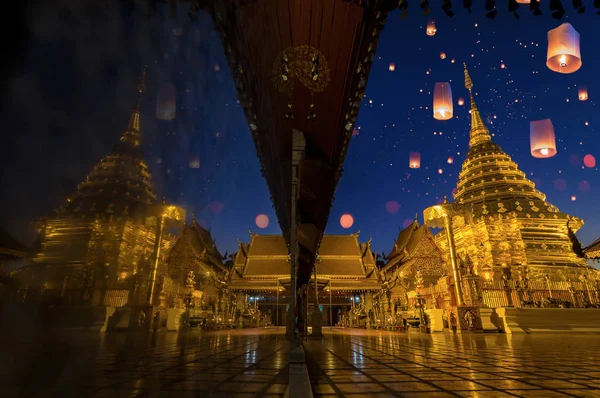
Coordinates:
x,y
479,133
132,134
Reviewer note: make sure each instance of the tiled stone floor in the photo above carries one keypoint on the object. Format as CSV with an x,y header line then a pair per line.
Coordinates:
x,y
237,363
383,364
253,363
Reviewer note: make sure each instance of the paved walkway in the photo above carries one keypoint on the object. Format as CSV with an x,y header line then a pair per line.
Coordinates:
x,y
253,363
237,363
384,364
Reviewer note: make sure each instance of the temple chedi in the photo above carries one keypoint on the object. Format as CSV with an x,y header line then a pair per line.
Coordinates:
x,y
508,224
106,232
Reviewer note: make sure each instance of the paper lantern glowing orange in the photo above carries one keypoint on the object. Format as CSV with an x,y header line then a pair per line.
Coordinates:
x,y
431,29
414,161
573,198
450,160
392,67
564,55
166,102
523,1
461,102
262,221
541,138
346,221
582,94
194,161
442,101
443,55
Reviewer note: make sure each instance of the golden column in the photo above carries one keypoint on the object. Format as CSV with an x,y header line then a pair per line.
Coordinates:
x,y
440,216
164,213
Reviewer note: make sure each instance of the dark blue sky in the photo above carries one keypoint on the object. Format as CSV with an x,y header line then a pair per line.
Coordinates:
x,y
71,102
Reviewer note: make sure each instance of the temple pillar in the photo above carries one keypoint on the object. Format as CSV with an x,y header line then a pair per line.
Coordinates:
x,y
298,148
317,321
453,259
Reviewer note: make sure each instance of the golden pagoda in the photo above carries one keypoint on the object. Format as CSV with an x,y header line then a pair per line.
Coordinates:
x,y
106,231
508,223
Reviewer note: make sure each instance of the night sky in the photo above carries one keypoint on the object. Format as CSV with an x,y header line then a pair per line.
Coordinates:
x,y
71,100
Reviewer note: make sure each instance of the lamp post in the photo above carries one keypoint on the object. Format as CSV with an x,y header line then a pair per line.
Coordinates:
x,y
330,306
440,216
190,283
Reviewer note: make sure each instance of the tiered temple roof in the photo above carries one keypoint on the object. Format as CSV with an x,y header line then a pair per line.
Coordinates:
x,y
120,182
415,250
194,250
592,251
513,219
10,248
264,264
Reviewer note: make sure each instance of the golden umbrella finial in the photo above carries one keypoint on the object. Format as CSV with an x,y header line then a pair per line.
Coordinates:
x,y
468,81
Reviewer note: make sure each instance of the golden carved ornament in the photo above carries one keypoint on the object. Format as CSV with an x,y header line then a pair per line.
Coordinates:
x,y
303,63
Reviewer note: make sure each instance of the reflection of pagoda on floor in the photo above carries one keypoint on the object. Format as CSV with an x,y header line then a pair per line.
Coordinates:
x,y
501,245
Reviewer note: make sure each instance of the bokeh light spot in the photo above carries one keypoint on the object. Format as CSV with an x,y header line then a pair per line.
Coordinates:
x,y
560,184
346,220
589,161
392,207
262,221
584,186
216,207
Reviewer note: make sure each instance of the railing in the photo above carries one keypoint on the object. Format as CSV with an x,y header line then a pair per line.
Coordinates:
x,y
116,298
496,293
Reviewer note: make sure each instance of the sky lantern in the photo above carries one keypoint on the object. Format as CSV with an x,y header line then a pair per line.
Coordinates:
x,y
392,67
431,29
414,161
346,221
440,171
194,161
573,198
523,1
443,55
589,161
166,102
262,221
541,138
450,160
564,55
442,101
461,101
582,94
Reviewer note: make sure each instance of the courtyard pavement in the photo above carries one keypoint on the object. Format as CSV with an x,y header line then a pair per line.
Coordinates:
x,y
385,364
253,363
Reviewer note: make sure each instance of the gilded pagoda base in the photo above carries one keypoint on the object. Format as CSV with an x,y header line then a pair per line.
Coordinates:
x,y
549,320
465,319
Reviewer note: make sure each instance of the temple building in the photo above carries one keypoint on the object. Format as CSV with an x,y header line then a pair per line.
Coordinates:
x,y
415,258
346,277
508,222
106,232
195,251
501,244
592,251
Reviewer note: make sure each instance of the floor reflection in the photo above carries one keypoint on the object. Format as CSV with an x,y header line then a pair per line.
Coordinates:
x,y
82,364
378,364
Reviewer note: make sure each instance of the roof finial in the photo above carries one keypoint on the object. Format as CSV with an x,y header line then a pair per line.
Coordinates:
x,y
479,133
416,216
132,134
445,199
193,218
